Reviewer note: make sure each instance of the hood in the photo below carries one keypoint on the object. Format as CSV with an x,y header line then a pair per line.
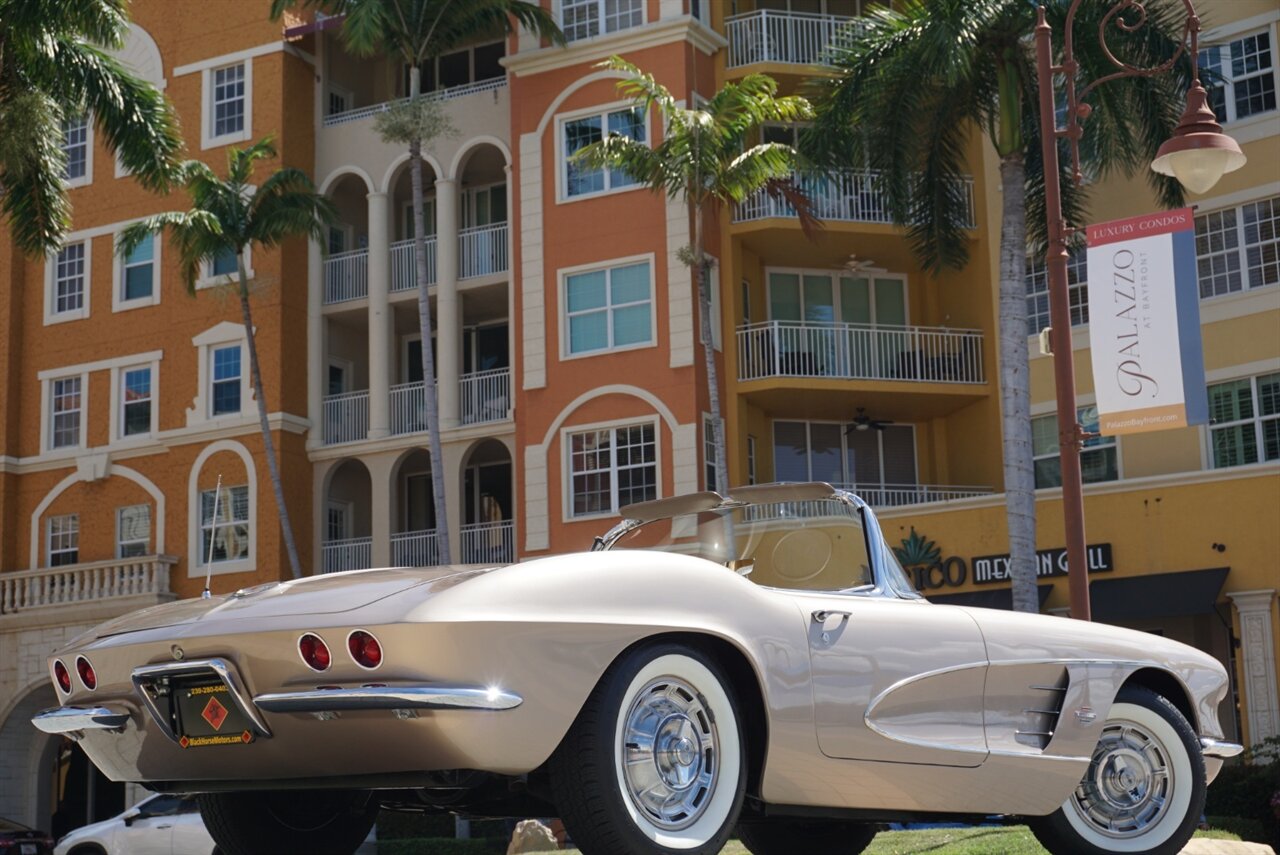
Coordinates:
x,y
331,593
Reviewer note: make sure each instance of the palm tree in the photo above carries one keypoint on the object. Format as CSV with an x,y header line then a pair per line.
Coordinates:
x,y
416,32
911,85
228,216
702,159
54,67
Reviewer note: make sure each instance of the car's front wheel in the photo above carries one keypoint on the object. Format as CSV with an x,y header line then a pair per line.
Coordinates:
x,y
1144,791
655,763
278,822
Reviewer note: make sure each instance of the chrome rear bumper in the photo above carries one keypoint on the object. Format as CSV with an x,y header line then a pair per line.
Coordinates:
x,y
72,719
1216,748
388,698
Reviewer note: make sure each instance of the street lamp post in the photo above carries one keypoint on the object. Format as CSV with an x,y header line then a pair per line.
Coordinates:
x,y
1197,154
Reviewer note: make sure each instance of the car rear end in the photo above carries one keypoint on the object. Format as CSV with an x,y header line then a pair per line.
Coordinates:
x,y
18,839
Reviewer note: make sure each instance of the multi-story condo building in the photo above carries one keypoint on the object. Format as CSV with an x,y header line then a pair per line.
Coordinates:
x,y
568,361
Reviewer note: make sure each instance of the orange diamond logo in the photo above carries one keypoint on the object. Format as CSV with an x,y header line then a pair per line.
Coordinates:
x,y
214,713
184,742
246,737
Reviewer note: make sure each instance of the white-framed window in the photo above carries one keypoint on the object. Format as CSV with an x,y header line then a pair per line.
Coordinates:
x,y
834,296
66,412
746,301
713,293
578,132
136,409
1099,459
68,283
223,269
227,99
226,379
751,459
77,145
1248,69
583,19
1038,290
63,544
137,276
133,531
842,454
472,64
1244,421
226,537
609,308
709,453
1238,248
612,467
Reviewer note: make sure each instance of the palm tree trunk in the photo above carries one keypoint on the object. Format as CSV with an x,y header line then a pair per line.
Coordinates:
x,y
431,402
1015,387
273,466
709,352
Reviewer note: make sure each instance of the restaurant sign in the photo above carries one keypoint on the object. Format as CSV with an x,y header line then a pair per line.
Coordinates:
x,y
929,570
1144,323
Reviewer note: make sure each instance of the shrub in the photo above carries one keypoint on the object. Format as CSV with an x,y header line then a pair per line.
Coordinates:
x,y
1245,791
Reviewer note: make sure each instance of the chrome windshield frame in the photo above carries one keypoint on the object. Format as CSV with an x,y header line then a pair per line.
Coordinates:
x,y
878,549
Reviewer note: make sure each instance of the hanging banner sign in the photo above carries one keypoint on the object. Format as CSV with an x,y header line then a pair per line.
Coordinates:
x,y
1144,323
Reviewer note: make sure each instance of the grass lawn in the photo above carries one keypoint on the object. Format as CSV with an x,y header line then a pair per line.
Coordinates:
x,y
1013,840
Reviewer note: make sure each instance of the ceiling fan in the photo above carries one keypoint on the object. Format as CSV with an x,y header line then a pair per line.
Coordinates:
x,y
858,266
862,421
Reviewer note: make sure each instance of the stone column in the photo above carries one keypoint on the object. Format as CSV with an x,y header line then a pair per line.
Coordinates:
x,y
448,312
316,370
381,468
1257,659
380,320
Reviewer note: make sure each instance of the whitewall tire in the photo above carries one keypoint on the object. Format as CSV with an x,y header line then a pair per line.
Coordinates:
x,y
1144,790
655,764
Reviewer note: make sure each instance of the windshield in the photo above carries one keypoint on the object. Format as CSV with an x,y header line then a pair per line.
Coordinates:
x,y
817,545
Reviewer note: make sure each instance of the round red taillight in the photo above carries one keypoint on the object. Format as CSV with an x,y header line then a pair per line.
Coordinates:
x,y
314,652
62,675
85,670
365,649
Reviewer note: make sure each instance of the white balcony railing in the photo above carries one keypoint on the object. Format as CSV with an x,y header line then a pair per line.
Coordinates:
x,y
440,95
486,396
346,417
404,269
849,196
415,549
854,351
52,587
408,408
346,276
795,38
482,251
353,553
489,542
896,495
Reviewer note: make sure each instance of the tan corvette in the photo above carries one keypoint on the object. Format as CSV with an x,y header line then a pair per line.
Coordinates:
x,y
757,662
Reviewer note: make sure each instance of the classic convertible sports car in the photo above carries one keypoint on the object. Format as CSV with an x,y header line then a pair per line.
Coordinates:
x,y
754,662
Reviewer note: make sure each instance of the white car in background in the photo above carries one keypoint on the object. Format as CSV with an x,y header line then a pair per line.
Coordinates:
x,y
160,825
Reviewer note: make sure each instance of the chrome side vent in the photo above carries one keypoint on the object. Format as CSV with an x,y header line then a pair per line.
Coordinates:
x,y
1040,719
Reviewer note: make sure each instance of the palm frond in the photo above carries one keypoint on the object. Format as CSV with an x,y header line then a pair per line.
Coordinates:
x,y
640,87
32,163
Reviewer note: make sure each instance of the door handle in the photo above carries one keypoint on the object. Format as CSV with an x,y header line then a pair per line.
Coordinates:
x,y
164,826
821,616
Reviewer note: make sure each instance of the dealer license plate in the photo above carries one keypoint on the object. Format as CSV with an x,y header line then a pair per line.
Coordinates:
x,y
28,849
207,715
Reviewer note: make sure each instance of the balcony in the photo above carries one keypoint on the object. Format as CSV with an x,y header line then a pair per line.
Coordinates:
x,y
346,276
486,396
146,577
415,549
788,38
346,417
404,267
353,553
489,542
878,496
849,196
859,352
482,251
450,94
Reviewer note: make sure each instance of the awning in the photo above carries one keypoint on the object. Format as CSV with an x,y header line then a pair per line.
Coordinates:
x,y
320,22
1191,592
996,598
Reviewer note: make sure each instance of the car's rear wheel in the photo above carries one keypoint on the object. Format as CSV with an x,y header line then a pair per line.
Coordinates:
x,y
1144,791
278,822
820,836
655,763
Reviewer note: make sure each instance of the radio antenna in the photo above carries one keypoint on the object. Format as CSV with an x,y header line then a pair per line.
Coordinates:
x,y
213,530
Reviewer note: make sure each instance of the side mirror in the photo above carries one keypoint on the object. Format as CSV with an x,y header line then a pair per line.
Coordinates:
x,y
130,817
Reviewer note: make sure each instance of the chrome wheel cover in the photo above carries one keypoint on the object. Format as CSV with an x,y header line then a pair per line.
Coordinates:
x,y
670,753
1129,783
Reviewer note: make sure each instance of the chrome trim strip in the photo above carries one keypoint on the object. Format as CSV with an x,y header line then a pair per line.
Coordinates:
x,y
389,698
145,676
70,719
1216,748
